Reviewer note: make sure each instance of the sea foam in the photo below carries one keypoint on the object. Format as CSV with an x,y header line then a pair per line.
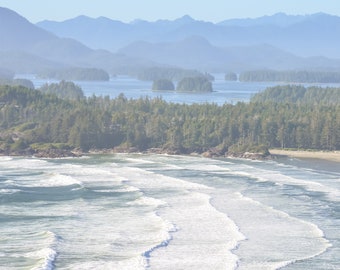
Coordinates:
x,y
47,255
274,238
204,238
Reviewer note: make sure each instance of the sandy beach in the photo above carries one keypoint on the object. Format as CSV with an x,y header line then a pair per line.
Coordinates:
x,y
332,155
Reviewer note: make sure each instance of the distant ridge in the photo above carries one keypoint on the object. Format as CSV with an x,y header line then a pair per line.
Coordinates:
x,y
304,35
278,19
183,43
198,53
29,48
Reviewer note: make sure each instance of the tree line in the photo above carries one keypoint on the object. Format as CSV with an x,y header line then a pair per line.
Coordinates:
x,y
297,76
170,73
29,117
76,74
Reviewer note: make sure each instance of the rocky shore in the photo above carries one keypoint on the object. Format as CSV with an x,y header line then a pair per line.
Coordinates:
x,y
45,153
62,153
210,153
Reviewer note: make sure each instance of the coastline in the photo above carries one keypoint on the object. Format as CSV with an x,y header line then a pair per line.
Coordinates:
x,y
76,152
330,156
333,156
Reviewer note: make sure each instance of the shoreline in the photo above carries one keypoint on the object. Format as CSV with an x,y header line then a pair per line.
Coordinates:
x,y
210,153
330,156
62,153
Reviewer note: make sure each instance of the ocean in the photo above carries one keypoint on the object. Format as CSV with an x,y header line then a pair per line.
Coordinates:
x,y
136,211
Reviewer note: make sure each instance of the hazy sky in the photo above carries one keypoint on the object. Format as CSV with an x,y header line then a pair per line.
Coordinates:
x,y
151,10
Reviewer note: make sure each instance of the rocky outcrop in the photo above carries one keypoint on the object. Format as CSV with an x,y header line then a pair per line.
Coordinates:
x,y
56,153
248,155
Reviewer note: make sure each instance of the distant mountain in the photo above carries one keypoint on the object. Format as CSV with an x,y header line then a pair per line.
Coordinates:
x,y
23,62
28,48
19,34
278,19
25,47
309,35
104,33
197,53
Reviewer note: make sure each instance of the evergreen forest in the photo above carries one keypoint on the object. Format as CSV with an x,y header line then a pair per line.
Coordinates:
x,y
279,117
292,76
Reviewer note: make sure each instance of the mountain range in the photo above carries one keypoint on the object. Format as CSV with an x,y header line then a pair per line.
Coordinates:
x,y
309,35
278,42
26,47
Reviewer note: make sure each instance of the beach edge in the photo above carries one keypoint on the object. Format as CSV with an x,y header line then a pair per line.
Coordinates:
x,y
325,155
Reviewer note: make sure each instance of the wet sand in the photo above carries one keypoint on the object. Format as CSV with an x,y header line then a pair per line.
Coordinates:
x,y
331,155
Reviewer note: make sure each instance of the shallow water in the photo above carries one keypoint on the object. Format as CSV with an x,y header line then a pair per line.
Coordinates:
x,y
131,211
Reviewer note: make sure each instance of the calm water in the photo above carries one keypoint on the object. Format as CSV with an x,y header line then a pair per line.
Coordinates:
x,y
224,91
131,211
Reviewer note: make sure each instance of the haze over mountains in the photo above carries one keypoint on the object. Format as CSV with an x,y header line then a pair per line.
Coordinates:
x,y
311,35
278,42
26,47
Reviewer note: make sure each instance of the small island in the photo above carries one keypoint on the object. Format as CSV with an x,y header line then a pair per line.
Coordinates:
x,y
230,76
163,85
194,85
7,77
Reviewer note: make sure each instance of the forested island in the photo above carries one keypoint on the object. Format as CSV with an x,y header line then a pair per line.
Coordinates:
x,y
291,76
163,85
169,73
35,123
199,84
230,76
195,85
17,82
7,78
76,74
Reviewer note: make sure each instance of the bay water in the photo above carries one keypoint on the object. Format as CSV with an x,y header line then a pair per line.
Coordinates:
x,y
224,91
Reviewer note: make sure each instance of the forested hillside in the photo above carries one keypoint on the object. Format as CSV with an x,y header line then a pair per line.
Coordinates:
x,y
29,119
301,76
299,94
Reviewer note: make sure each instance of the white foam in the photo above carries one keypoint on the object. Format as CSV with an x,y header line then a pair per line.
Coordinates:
x,y
206,168
128,189
106,237
139,161
145,179
4,158
25,163
148,201
47,255
8,191
281,179
48,180
204,238
274,238
134,263
312,227
61,180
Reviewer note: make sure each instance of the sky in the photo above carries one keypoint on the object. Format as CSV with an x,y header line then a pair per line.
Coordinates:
x,y
152,10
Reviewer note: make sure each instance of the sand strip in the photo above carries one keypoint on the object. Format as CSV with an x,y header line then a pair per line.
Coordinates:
x,y
331,155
